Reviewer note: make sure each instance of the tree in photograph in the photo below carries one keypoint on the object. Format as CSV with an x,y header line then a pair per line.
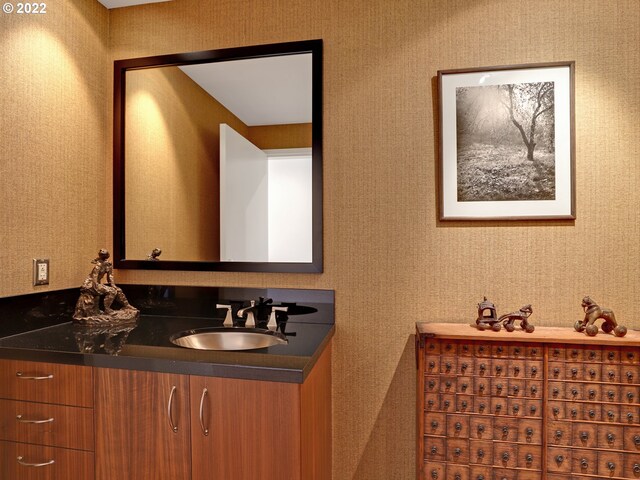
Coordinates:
x,y
526,103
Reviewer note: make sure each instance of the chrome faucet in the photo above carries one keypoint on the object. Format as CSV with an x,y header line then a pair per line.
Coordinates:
x,y
273,324
249,312
228,319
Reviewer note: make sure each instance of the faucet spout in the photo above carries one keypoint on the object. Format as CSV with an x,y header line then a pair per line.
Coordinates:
x,y
249,313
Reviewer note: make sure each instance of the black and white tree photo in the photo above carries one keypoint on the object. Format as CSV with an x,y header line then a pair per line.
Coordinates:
x,y
506,142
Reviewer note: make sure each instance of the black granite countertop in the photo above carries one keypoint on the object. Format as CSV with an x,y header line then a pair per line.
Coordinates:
x,y
39,328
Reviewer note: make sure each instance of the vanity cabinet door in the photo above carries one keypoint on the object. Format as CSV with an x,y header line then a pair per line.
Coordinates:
x,y
142,425
242,429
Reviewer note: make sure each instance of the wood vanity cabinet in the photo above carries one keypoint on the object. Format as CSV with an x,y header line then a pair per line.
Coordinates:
x,y
550,405
46,421
211,427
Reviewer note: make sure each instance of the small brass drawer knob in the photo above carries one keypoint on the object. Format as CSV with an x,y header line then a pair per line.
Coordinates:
x,y
534,371
611,466
447,404
556,411
555,391
505,457
458,427
434,450
592,394
457,452
499,387
481,407
499,369
611,414
465,386
533,409
434,474
481,428
483,367
480,453
574,413
432,365
556,372
432,384
464,404
611,394
528,458
516,351
516,370
516,409
434,424
559,459
636,440
636,468
447,366
584,436
574,372
505,431
464,367
516,389
592,414
574,392
584,463
529,432
592,373
558,434
611,437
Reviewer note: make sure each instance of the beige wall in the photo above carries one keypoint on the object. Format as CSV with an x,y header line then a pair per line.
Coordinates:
x,y
293,135
55,99
389,260
172,163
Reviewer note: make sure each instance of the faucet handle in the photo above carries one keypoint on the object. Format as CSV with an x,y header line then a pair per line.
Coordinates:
x,y
228,319
273,325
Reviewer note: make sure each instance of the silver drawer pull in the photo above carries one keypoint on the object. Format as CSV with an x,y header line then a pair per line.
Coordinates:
x,y
21,376
27,464
205,431
26,420
173,426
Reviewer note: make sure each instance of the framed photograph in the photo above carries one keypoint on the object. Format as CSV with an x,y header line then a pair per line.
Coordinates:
x,y
507,142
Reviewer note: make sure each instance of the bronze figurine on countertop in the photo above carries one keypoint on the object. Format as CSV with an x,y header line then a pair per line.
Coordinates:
x,y
593,312
92,290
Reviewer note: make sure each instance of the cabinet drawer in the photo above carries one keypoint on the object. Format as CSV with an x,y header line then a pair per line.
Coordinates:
x,y
46,382
67,464
46,424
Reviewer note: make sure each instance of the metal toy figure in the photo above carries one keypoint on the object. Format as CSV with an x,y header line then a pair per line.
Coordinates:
x,y
522,316
487,316
593,312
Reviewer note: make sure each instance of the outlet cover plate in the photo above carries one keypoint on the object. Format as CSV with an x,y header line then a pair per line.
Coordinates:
x,y
40,271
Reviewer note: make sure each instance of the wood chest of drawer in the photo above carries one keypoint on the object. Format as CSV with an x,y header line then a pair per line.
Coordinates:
x,y
551,405
46,421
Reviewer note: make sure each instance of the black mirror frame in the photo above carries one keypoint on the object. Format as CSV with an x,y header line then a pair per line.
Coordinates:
x,y
290,48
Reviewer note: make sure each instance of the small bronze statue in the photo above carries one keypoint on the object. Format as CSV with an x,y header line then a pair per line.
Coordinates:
x,y
487,316
522,316
593,312
153,256
92,291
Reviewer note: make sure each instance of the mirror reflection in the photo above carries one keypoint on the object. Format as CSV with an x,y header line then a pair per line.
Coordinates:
x,y
218,161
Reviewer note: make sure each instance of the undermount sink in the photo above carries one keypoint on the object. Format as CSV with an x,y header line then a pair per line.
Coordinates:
x,y
228,338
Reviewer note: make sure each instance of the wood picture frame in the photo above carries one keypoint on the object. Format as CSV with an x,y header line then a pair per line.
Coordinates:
x,y
507,142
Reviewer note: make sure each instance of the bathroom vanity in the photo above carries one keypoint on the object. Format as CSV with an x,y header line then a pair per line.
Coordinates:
x,y
554,404
83,402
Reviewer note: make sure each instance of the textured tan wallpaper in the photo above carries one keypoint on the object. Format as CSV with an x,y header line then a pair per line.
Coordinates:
x,y
386,255
294,135
172,163
54,142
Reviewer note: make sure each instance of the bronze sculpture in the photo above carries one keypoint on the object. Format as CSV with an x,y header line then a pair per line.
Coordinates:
x,y
522,315
153,256
487,316
93,290
593,312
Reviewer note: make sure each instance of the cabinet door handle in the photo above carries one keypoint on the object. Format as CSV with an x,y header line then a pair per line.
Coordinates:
x,y
173,426
22,376
41,464
26,420
205,431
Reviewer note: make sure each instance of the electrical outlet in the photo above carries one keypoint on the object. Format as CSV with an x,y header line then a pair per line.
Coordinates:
x,y
41,271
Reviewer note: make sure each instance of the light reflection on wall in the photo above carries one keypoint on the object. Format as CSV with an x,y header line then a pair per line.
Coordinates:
x,y
54,130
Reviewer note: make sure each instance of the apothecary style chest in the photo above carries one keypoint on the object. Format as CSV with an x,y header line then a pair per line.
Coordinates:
x,y
550,405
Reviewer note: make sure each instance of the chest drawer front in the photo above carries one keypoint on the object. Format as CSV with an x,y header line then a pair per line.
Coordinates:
x,y
18,461
46,424
46,382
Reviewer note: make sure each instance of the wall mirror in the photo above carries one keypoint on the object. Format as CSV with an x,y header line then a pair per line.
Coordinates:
x,y
218,159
